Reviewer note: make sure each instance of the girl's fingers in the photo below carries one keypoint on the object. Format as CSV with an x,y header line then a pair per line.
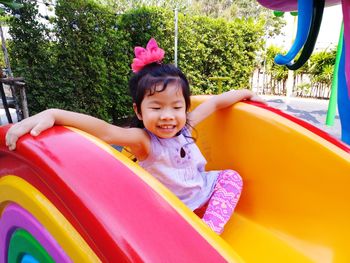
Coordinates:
x,y
12,146
40,127
256,98
14,133
262,101
33,125
36,130
11,140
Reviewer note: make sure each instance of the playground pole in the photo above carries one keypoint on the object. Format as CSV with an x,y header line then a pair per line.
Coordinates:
x,y
332,105
176,35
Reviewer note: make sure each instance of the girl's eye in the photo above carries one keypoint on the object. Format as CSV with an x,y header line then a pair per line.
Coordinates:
x,y
155,108
178,108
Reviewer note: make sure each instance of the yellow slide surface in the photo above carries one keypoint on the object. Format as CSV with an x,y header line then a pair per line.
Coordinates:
x,y
295,205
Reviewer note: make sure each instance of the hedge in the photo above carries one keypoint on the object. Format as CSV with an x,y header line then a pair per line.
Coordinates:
x,y
80,59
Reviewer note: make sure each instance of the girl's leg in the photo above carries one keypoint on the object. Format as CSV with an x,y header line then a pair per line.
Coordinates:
x,y
223,200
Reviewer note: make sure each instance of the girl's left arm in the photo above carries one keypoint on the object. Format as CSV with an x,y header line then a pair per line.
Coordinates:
x,y
221,101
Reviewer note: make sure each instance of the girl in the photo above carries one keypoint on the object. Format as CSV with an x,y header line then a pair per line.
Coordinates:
x,y
160,136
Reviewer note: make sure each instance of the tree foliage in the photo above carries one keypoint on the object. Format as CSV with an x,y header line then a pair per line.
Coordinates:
x,y
9,4
79,64
125,5
319,71
80,60
277,72
227,9
322,66
216,48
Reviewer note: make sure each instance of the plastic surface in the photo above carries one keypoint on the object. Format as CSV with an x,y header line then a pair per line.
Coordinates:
x,y
289,5
346,19
17,190
306,36
22,243
110,201
332,105
294,206
305,18
318,7
14,217
29,259
343,99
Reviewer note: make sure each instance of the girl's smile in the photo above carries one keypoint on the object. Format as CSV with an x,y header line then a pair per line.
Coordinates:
x,y
164,112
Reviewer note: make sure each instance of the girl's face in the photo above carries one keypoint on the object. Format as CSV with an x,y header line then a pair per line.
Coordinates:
x,y
164,113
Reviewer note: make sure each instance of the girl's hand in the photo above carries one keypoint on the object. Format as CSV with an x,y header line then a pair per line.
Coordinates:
x,y
33,125
257,98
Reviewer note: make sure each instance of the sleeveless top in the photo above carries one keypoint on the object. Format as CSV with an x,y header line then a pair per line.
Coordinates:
x,y
178,163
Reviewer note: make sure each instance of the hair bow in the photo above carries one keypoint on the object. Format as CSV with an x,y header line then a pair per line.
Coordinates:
x,y
144,56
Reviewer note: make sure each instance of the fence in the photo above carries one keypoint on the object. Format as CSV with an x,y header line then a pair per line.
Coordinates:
x,y
266,84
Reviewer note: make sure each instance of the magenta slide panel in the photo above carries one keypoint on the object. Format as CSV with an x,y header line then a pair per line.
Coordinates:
x,y
288,5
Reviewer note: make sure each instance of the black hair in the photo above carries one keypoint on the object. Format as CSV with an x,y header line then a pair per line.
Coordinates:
x,y
148,79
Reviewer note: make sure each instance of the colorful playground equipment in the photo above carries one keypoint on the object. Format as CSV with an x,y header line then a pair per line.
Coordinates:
x,y
65,196
310,16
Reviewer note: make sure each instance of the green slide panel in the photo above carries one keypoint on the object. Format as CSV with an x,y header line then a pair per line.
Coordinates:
x,y
23,243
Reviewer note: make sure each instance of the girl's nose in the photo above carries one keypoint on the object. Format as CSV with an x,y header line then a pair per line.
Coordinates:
x,y
167,115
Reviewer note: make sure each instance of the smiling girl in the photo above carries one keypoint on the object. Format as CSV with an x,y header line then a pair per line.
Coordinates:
x,y
160,137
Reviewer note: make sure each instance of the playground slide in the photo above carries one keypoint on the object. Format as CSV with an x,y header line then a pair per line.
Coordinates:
x,y
295,202
68,197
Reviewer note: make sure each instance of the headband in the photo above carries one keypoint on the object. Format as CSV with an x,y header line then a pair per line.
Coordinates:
x,y
144,56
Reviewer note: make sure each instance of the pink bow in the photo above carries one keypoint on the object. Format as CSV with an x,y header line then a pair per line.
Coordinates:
x,y
143,56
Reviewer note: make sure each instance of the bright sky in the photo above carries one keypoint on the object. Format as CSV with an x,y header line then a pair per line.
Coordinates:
x,y
329,31
330,27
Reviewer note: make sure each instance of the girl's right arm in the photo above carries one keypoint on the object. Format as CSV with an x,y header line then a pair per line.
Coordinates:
x,y
137,139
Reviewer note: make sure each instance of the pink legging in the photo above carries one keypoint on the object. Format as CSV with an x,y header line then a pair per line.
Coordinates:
x,y
223,201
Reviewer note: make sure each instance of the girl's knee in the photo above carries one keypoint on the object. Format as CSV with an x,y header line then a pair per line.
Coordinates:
x,y
232,175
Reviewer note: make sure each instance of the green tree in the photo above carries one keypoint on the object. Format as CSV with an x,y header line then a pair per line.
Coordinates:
x,y
78,62
12,4
216,48
125,5
321,71
81,60
7,5
277,71
250,8
213,8
321,66
278,74
228,9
